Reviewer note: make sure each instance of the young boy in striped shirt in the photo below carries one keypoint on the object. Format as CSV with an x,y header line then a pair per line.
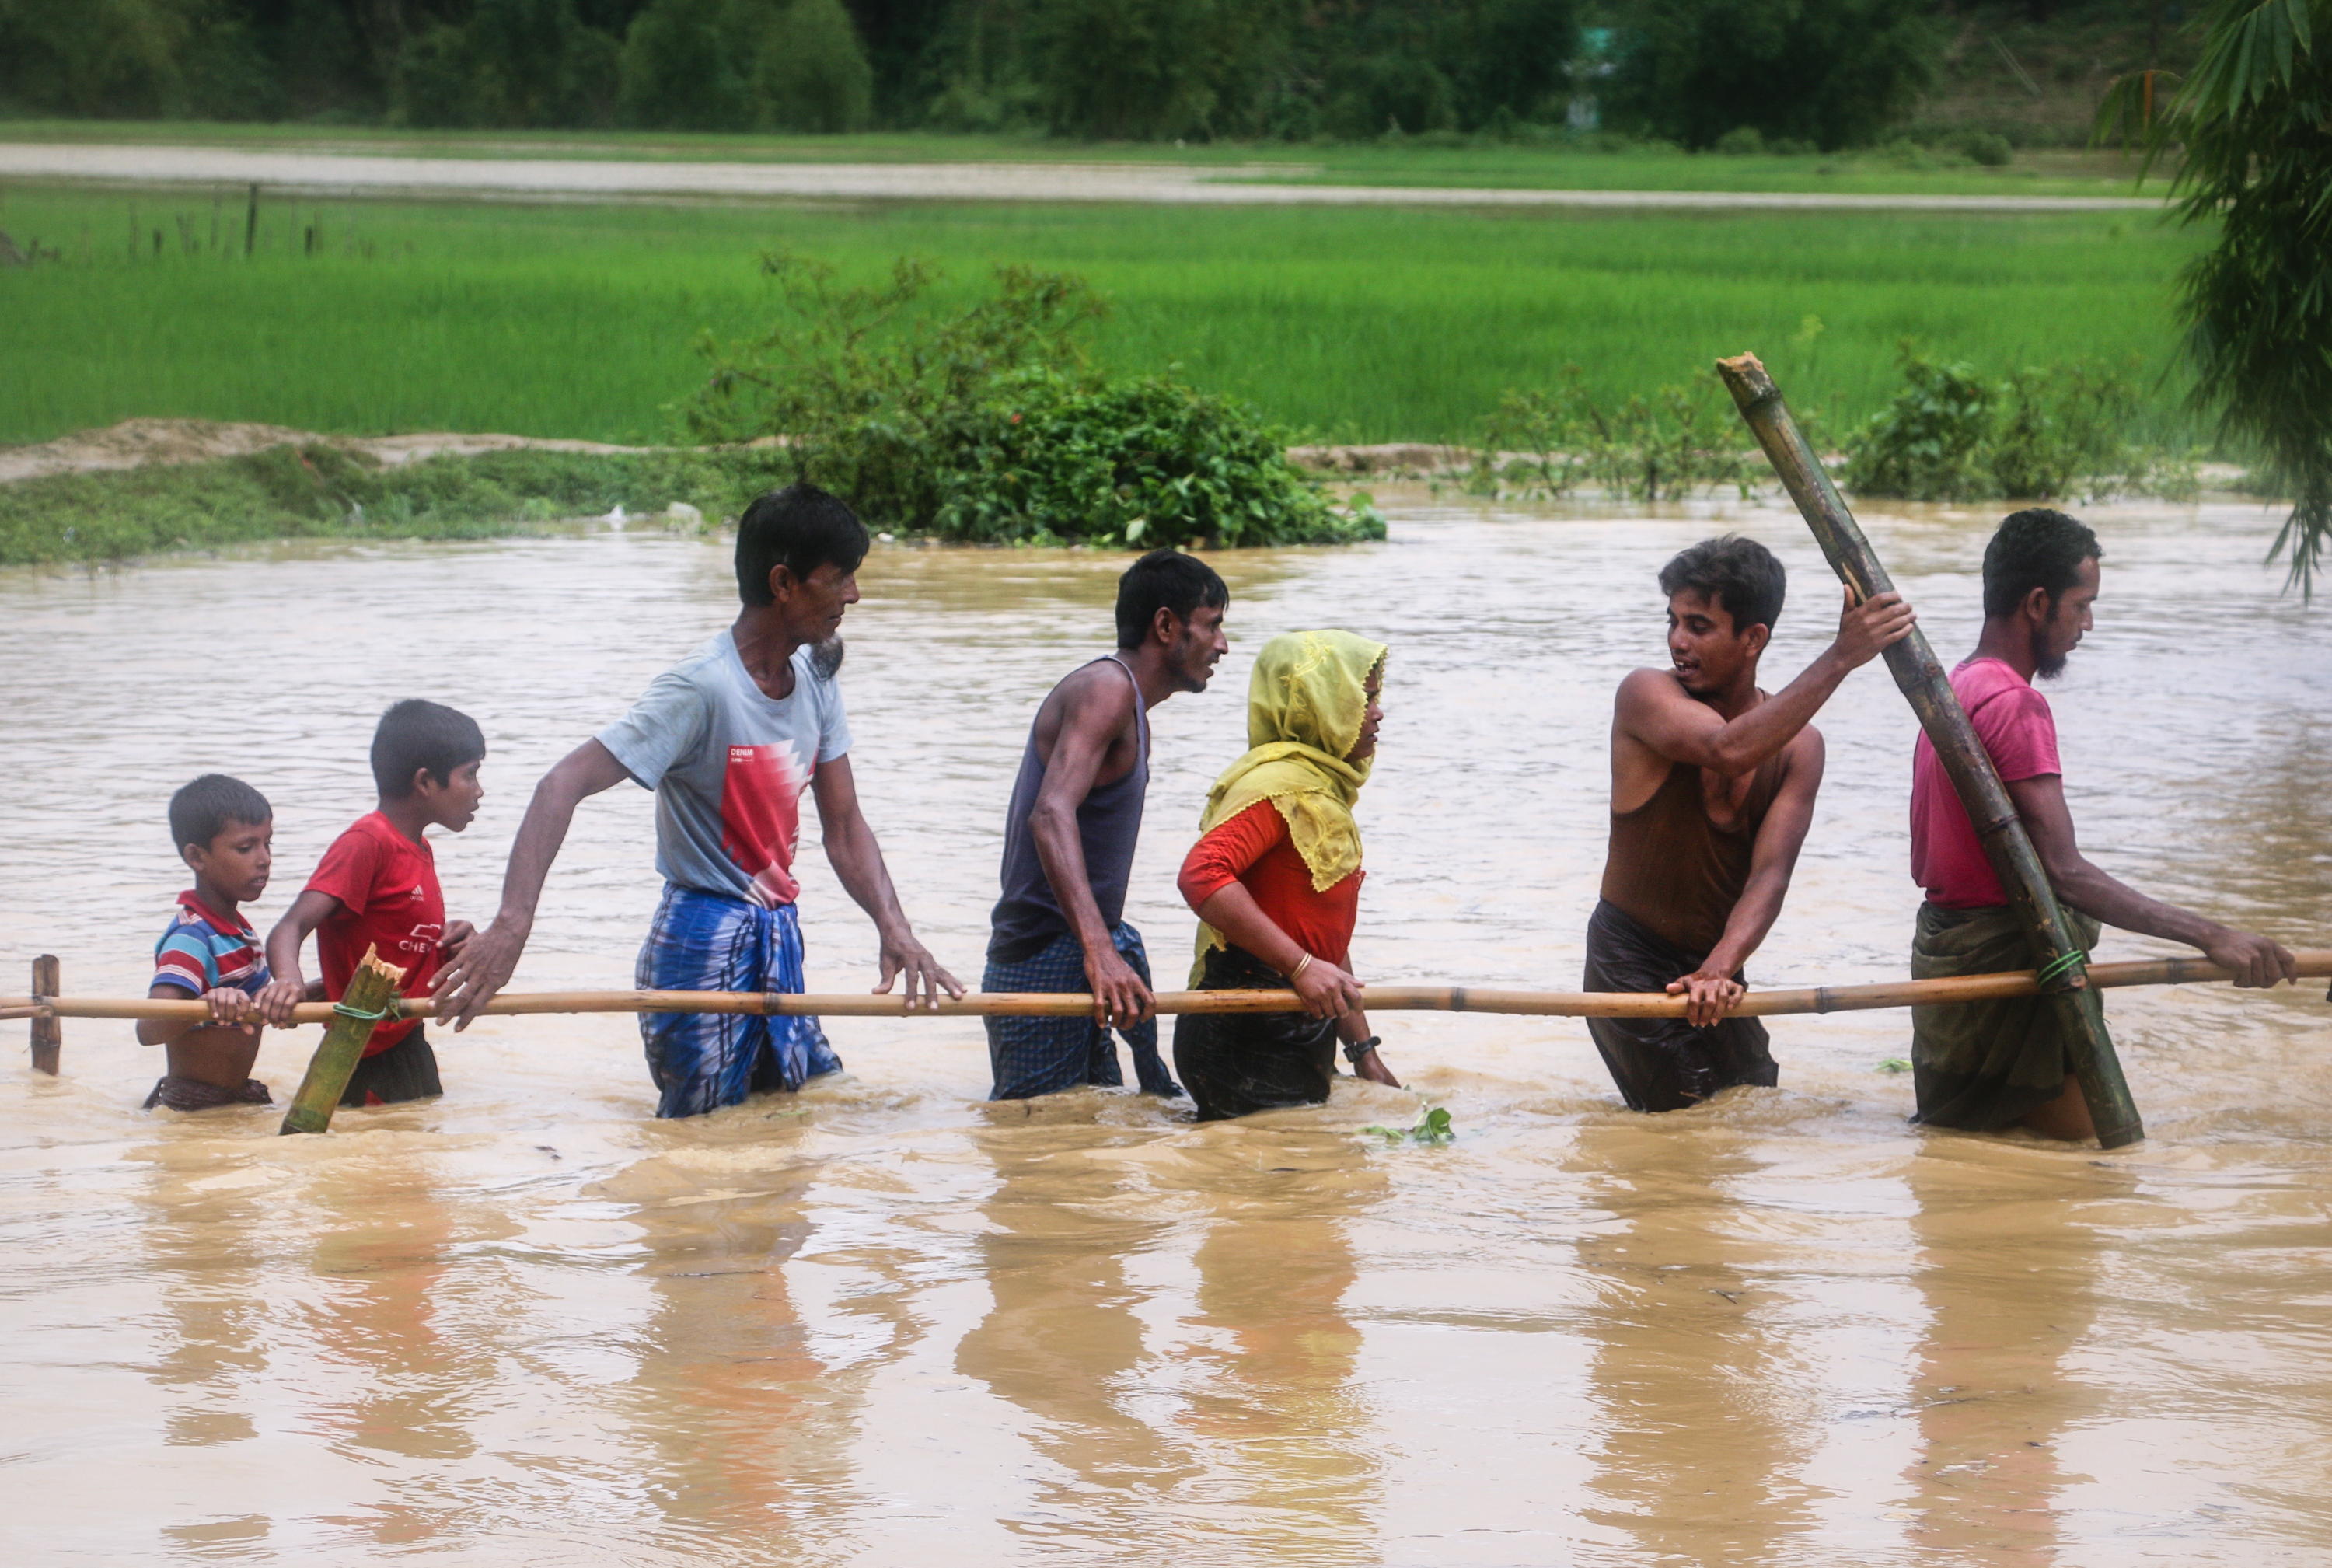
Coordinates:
x,y
223,829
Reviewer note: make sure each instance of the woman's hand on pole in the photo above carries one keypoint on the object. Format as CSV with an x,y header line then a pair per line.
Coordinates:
x,y
1327,991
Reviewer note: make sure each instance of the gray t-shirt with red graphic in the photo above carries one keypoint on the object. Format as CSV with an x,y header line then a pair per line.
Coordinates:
x,y
728,766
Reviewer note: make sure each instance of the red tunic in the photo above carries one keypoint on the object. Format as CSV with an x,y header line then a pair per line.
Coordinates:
x,y
1253,848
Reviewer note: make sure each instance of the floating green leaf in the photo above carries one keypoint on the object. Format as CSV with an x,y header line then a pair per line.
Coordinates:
x,y
1432,1128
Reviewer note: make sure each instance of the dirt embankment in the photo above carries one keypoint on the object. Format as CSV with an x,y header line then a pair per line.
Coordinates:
x,y
138,443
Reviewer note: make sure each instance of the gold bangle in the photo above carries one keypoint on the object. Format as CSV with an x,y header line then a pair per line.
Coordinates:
x,y
1301,965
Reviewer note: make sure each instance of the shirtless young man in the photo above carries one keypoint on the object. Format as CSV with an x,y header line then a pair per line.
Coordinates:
x,y
1713,787
1069,836
1986,1066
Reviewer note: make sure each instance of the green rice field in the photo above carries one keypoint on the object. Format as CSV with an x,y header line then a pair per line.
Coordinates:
x,y
556,318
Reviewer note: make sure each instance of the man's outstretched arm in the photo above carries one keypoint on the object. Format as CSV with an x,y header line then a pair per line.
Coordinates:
x,y
1092,717
857,862
2256,959
1710,990
1657,712
486,961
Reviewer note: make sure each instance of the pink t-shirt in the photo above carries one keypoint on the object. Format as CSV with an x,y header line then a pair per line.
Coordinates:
x,y
2014,725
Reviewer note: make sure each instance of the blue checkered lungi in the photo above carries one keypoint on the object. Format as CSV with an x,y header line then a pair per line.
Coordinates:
x,y
700,941
1032,1057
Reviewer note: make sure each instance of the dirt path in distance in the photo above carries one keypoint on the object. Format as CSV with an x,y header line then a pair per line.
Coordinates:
x,y
335,173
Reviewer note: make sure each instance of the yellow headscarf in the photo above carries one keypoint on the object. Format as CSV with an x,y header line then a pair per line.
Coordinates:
x,y
1305,704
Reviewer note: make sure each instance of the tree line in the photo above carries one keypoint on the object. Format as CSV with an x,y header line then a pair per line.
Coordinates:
x,y
1823,73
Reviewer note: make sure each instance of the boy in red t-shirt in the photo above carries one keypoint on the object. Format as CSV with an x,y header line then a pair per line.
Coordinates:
x,y
376,887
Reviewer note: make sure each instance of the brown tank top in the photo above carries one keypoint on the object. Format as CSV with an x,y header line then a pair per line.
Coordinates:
x,y
1673,870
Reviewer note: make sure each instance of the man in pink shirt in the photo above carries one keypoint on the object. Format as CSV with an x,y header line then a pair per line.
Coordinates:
x,y
1989,1066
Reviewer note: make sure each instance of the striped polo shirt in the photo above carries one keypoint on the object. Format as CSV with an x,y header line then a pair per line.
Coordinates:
x,y
203,949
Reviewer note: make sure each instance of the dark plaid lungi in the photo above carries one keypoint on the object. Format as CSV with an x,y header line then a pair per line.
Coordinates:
x,y
1664,1064
1984,1066
1032,1057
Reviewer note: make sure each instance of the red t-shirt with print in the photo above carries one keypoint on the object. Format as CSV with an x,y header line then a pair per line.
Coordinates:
x,y
389,900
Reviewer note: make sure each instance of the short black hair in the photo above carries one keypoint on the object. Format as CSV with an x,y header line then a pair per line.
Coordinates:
x,y
200,811
1735,572
1164,579
416,734
2038,547
800,527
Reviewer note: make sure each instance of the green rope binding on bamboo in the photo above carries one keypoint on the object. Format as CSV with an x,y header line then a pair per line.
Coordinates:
x,y
2061,966
389,1010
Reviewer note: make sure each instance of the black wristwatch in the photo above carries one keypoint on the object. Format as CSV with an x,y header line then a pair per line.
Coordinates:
x,y
1354,1051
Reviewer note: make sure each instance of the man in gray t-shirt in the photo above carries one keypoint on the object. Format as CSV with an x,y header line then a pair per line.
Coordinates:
x,y
729,764
730,740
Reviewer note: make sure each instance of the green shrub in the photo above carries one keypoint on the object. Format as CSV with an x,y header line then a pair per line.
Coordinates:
x,y
986,424
1543,444
1987,148
2044,433
1924,445
1139,462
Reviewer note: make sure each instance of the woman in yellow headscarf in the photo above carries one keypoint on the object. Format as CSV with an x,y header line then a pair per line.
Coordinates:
x,y
1276,878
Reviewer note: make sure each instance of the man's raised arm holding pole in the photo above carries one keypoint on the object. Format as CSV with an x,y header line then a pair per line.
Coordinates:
x,y
1713,787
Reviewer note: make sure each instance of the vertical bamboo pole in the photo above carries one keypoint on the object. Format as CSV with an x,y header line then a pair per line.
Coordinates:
x,y
1922,679
49,1033
370,991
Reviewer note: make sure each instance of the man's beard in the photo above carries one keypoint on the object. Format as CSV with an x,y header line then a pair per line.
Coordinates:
x,y
2045,664
825,657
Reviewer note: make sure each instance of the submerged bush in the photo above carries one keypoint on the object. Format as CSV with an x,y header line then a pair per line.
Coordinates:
x,y
2042,434
987,423
1924,445
1139,461
1546,443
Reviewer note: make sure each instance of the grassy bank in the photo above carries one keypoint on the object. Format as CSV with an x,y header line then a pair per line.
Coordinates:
x,y
321,491
1438,159
576,320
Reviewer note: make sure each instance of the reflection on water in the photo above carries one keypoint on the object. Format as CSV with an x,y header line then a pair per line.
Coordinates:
x,y
887,1322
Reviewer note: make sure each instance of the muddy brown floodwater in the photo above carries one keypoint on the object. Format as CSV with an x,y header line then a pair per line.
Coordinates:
x,y
884,1323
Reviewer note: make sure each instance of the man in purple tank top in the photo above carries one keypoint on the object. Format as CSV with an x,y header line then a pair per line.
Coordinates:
x,y
1069,836
1713,787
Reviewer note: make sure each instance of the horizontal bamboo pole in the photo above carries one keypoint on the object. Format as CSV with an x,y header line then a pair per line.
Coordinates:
x,y
2314,962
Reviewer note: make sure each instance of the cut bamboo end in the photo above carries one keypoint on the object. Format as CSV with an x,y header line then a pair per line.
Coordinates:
x,y
1745,376
370,997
